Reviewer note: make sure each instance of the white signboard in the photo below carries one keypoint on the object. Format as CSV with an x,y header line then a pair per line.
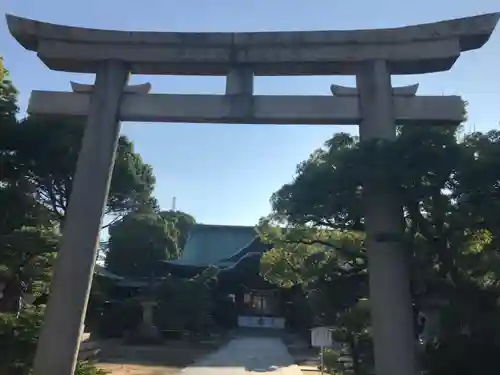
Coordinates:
x,y
321,337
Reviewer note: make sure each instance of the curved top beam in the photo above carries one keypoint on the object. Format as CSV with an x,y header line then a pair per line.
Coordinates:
x,y
412,49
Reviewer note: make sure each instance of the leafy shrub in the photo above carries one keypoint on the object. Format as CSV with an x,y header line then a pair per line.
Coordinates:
x,y
331,360
88,368
469,337
464,355
185,304
18,339
119,317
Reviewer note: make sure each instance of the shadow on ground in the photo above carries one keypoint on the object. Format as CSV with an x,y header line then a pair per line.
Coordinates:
x,y
257,353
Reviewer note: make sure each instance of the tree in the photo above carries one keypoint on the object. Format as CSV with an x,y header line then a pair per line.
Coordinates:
x,y
137,243
18,340
449,190
330,267
325,191
27,235
26,264
143,238
426,165
28,241
47,151
182,224
186,304
8,98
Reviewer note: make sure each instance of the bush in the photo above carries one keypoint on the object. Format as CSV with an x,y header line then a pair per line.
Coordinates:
x,y
185,304
331,360
464,355
119,317
469,337
18,339
88,368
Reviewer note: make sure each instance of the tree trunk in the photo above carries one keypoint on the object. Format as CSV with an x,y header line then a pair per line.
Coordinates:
x,y
354,354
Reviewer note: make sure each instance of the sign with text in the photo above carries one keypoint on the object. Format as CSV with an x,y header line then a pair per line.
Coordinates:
x,y
321,337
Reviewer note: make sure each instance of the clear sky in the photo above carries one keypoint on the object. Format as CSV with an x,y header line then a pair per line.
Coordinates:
x,y
225,174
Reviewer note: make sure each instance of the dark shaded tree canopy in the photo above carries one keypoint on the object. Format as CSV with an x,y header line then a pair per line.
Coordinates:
x,y
142,239
47,151
448,184
182,224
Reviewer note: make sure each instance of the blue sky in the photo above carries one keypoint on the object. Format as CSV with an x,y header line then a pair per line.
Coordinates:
x,y
225,174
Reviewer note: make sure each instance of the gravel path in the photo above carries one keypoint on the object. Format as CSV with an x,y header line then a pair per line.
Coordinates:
x,y
265,355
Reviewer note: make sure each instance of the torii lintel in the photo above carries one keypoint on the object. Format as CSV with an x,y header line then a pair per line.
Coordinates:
x,y
415,49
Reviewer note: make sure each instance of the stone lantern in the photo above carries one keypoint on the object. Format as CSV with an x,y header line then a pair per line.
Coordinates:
x,y
147,330
430,309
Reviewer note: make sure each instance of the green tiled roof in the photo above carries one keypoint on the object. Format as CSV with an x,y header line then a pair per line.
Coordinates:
x,y
209,244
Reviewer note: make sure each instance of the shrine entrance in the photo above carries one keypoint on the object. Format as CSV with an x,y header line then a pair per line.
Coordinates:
x,y
261,309
370,55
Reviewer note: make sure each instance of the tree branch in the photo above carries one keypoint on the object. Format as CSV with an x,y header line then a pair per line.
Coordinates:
x,y
115,220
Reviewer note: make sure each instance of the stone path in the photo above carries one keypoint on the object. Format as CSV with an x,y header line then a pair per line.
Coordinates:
x,y
264,355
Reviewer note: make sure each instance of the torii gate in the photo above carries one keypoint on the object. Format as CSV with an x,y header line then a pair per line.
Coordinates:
x,y
371,55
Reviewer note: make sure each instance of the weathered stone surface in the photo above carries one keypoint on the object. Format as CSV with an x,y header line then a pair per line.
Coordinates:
x,y
265,109
142,88
59,340
239,89
339,90
390,298
408,50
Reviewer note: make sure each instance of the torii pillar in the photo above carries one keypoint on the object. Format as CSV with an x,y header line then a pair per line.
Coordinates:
x,y
390,297
70,283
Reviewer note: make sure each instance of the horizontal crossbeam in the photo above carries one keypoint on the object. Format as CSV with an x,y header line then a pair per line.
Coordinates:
x,y
408,50
343,110
339,90
142,88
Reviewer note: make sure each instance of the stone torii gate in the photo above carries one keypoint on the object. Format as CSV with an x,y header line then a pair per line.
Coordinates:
x,y
371,55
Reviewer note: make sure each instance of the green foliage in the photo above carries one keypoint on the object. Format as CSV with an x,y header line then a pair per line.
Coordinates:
x,y
301,253
27,235
464,355
449,202
8,98
138,243
450,194
330,267
181,223
47,151
89,368
18,338
331,361
120,317
26,263
353,328
142,239
186,304
309,199
100,293
37,164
